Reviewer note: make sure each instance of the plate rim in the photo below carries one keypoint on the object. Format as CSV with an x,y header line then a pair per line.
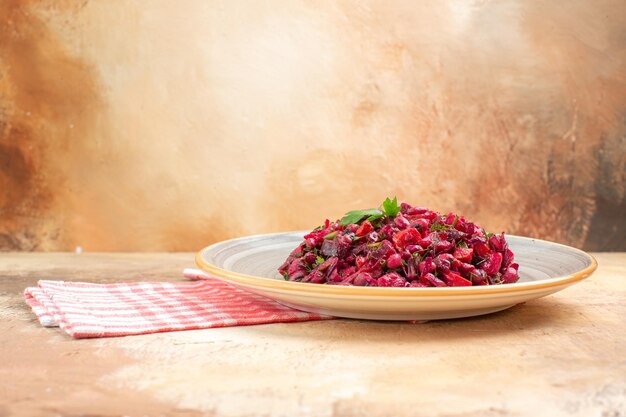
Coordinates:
x,y
291,286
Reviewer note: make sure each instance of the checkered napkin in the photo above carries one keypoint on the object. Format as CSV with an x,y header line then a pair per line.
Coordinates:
x,y
102,310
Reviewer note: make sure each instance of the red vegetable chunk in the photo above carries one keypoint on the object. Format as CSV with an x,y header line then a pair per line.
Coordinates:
x,y
455,280
463,254
406,237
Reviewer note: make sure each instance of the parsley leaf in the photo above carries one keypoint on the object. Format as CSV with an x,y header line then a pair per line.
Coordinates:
x,y
375,217
439,227
391,207
355,216
331,235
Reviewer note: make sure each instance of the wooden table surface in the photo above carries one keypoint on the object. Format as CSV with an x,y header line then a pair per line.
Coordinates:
x,y
561,355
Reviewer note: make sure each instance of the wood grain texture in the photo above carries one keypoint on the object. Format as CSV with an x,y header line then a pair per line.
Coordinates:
x,y
161,126
562,355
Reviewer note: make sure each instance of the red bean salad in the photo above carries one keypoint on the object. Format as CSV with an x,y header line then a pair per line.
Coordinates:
x,y
401,246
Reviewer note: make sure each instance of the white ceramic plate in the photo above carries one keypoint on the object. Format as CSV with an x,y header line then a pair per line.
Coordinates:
x,y
251,263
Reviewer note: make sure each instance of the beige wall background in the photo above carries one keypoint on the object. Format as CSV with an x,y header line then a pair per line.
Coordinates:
x,y
168,125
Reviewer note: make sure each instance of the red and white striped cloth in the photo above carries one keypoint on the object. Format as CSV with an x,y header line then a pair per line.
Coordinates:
x,y
102,310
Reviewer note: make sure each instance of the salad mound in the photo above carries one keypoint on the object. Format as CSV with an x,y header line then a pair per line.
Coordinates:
x,y
401,246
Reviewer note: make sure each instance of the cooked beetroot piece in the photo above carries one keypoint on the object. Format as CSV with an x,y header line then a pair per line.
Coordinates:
x,y
401,246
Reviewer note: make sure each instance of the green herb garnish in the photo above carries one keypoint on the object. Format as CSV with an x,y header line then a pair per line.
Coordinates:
x,y
438,227
389,208
356,216
331,235
375,217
